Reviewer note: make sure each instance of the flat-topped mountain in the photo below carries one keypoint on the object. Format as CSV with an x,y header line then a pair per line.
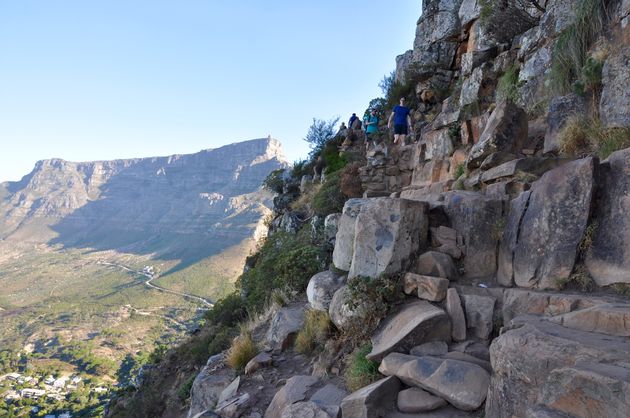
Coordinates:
x,y
177,207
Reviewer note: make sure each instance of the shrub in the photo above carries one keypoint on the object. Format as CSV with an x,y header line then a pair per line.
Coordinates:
x,y
314,333
320,132
360,371
275,181
227,311
183,392
243,349
582,136
570,53
329,198
350,181
333,160
508,85
284,261
460,170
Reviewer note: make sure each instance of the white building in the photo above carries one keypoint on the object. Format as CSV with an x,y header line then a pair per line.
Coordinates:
x,y
13,376
32,393
49,380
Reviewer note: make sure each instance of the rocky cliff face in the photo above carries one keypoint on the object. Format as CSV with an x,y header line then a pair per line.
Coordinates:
x,y
180,206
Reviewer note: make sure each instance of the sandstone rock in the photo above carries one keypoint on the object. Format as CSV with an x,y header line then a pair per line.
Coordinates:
x,y
261,360
416,322
229,392
439,144
331,224
536,166
284,326
234,407
426,287
305,410
521,371
536,65
475,216
608,260
436,264
329,398
505,271
322,287
448,115
372,401
293,391
344,241
464,385
614,106
472,348
479,314
472,129
505,131
433,348
403,62
388,232
209,384
560,109
468,11
473,59
610,319
340,313
456,314
553,225
472,86
456,355
495,159
414,400
392,362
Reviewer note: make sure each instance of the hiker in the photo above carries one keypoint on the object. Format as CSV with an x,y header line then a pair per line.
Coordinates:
x,y
354,122
318,170
371,126
402,122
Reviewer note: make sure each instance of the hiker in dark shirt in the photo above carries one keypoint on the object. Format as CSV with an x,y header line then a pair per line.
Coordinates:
x,y
402,122
352,122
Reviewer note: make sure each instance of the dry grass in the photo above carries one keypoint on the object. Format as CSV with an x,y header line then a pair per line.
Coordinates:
x,y
243,349
621,289
584,136
578,280
314,333
303,203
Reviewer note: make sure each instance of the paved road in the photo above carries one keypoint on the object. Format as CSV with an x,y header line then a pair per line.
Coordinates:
x,y
150,277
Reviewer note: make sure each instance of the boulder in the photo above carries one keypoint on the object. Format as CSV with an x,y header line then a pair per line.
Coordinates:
x,y
392,362
608,260
532,373
284,326
388,231
341,314
464,385
372,401
609,318
329,399
614,106
209,384
234,407
344,240
505,271
415,323
537,64
426,287
322,287
436,264
475,217
331,225
472,85
469,11
560,109
293,391
457,355
261,360
553,225
472,348
305,410
536,166
479,314
414,400
456,314
505,131
229,392
434,348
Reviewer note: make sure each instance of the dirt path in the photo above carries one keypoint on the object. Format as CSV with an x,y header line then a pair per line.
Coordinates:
x,y
150,277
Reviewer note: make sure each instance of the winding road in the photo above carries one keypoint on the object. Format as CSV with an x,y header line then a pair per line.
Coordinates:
x,y
150,277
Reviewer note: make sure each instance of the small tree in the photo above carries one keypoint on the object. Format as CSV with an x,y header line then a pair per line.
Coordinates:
x,y
320,132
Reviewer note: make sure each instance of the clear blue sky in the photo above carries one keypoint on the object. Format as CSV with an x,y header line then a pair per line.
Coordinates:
x,y
103,79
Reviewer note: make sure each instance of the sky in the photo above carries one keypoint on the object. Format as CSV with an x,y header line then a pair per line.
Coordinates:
x,y
107,79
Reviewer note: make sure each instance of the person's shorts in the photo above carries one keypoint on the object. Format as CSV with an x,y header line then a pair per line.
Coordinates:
x,y
400,129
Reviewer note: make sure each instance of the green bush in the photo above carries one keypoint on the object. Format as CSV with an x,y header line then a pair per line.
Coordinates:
x,y
285,261
329,198
183,392
333,160
274,181
228,311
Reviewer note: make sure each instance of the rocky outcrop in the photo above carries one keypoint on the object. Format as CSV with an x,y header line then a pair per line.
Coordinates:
x,y
344,241
322,287
553,225
608,260
614,106
284,326
209,384
372,401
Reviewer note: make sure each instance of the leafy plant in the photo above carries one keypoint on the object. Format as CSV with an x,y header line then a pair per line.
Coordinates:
x,y
460,170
